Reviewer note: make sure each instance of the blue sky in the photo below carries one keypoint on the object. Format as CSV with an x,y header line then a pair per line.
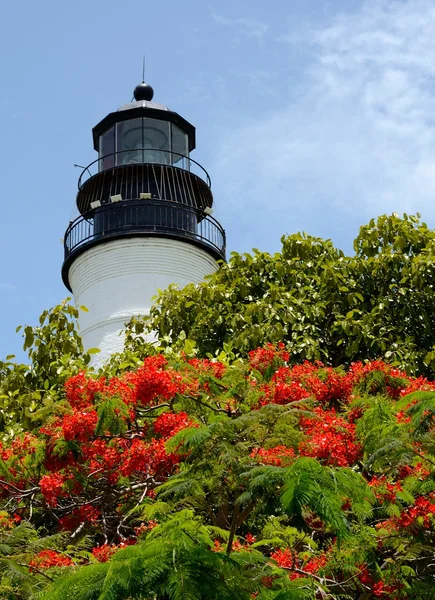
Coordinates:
x,y
311,115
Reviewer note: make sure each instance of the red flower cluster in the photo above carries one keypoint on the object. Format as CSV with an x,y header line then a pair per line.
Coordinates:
x,y
79,426
379,589
419,471
81,390
237,546
330,438
396,381
279,456
151,382
168,424
145,527
268,356
284,389
384,590
103,458
104,553
84,514
147,457
7,522
290,384
419,384
204,366
287,559
324,383
143,386
420,515
51,487
47,559
284,558
384,490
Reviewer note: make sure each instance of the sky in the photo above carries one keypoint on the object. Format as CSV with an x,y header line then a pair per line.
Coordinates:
x,y
311,115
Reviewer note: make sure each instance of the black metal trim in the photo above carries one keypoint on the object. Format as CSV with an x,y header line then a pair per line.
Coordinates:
x,y
102,158
185,228
142,111
186,182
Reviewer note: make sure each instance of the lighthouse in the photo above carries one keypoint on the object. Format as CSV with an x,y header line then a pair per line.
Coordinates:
x,y
145,219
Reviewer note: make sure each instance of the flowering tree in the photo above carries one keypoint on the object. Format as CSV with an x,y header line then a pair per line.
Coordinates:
x,y
55,352
324,305
202,479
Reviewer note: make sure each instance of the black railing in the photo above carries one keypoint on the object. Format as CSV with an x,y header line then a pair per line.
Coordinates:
x,y
150,217
143,156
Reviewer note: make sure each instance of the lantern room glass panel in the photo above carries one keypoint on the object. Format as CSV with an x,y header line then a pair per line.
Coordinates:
x,y
129,142
180,151
156,141
107,149
143,140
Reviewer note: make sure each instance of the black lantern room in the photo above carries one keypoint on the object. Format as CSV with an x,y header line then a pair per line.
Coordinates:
x,y
143,182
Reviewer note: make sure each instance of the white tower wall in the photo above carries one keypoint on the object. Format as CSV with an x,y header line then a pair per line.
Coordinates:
x,y
117,280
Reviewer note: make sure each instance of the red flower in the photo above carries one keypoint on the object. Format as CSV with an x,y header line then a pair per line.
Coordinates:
x,y
147,457
151,382
87,514
80,426
278,456
384,590
51,487
315,564
420,515
103,553
81,390
284,558
385,490
395,386
207,367
326,385
250,539
168,424
47,559
263,358
330,438
145,527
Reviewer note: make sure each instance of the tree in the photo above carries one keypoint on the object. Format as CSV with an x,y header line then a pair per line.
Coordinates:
x,y
324,305
197,478
55,352
251,473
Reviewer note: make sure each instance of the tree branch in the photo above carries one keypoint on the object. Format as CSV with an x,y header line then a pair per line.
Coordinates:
x,y
32,568
233,529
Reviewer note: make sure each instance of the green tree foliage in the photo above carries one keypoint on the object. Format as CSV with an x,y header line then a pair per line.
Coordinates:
x,y
322,304
55,352
177,562
246,474
190,478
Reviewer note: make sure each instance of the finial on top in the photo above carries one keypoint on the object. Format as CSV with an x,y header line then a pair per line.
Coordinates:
x,y
143,91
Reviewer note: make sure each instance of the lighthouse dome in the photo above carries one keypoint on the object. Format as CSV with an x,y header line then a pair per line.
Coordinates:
x,y
143,94
152,115
143,104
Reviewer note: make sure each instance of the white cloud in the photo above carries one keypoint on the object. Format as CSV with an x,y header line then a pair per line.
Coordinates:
x,y
5,285
359,137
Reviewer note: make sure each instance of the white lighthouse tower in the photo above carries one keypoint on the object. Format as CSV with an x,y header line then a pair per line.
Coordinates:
x,y
145,219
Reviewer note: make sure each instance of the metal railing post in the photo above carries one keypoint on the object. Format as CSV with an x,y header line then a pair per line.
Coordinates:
x,y
136,217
